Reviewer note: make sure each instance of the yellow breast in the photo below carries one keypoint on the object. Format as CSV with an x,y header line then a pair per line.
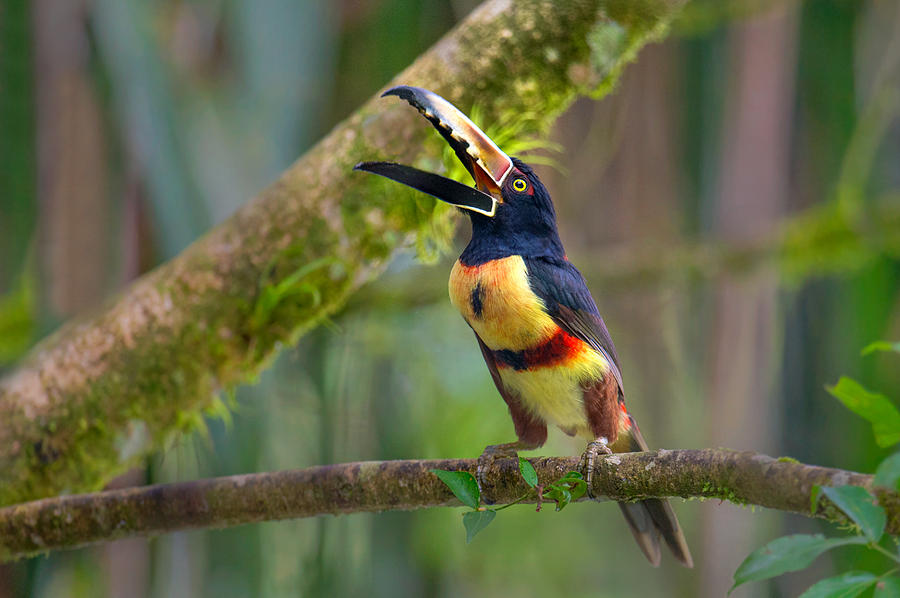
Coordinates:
x,y
554,394
497,302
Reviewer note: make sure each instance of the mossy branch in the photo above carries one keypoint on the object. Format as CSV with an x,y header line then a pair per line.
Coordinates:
x,y
105,391
739,477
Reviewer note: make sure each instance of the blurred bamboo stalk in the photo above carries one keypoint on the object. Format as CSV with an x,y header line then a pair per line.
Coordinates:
x,y
742,406
76,212
374,486
72,171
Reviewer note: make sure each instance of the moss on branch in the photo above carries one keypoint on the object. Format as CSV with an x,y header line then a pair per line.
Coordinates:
x,y
106,390
739,477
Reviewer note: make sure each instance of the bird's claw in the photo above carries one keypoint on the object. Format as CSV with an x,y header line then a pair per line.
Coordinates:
x,y
594,448
486,460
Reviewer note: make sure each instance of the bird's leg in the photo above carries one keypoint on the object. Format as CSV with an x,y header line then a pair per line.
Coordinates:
x,y
497,451
594,448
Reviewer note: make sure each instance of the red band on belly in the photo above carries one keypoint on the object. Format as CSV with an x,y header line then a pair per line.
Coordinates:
x,y
557,349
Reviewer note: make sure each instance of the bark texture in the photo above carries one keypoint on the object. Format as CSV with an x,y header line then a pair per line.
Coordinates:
x,y
104,391
739,477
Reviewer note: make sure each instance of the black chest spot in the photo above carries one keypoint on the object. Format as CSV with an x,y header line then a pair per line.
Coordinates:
x,y
477,300
514,359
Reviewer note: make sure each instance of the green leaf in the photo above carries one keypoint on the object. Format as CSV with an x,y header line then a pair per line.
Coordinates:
x,y
475,521
887,474
881,346
462,484
559,494
788,553
574,483
528,472
847,585
859,506
888,587
578,488
814,498
874,407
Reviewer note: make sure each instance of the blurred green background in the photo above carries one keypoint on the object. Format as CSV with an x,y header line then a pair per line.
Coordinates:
x,y
129,127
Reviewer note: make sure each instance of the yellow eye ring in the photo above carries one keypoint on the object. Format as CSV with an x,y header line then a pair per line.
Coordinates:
x,y
520,185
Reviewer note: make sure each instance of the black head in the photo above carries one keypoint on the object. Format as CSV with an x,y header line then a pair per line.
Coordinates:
x,y
524,222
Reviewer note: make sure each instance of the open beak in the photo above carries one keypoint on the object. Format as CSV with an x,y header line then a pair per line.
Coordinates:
x,y
487,164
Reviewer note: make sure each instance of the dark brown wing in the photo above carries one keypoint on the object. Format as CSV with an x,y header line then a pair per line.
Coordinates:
x,y
529,428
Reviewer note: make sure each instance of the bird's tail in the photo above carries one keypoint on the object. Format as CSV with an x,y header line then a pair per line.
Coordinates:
x,y
649,519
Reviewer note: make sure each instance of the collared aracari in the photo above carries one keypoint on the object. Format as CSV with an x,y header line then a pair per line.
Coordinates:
x,y
539,330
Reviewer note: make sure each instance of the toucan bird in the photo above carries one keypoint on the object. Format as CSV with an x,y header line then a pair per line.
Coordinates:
x,y
539,330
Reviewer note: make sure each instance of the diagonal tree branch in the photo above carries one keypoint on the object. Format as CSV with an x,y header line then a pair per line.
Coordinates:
x,y
739,477
106,390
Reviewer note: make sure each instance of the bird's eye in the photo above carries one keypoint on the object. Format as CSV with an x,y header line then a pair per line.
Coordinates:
x,y
520,185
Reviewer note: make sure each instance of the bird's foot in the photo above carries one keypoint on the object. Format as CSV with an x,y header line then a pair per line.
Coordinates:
x,y
487,458
586,465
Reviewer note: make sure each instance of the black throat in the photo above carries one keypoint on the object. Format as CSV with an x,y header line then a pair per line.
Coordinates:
x,y
524,224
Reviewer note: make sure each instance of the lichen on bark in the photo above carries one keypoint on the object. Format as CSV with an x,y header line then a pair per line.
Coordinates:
x,y
104,391
739,477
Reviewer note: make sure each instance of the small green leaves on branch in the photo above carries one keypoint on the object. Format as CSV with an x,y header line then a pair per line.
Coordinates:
x,y
528,472
464,487
570,487
462,484
475,521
